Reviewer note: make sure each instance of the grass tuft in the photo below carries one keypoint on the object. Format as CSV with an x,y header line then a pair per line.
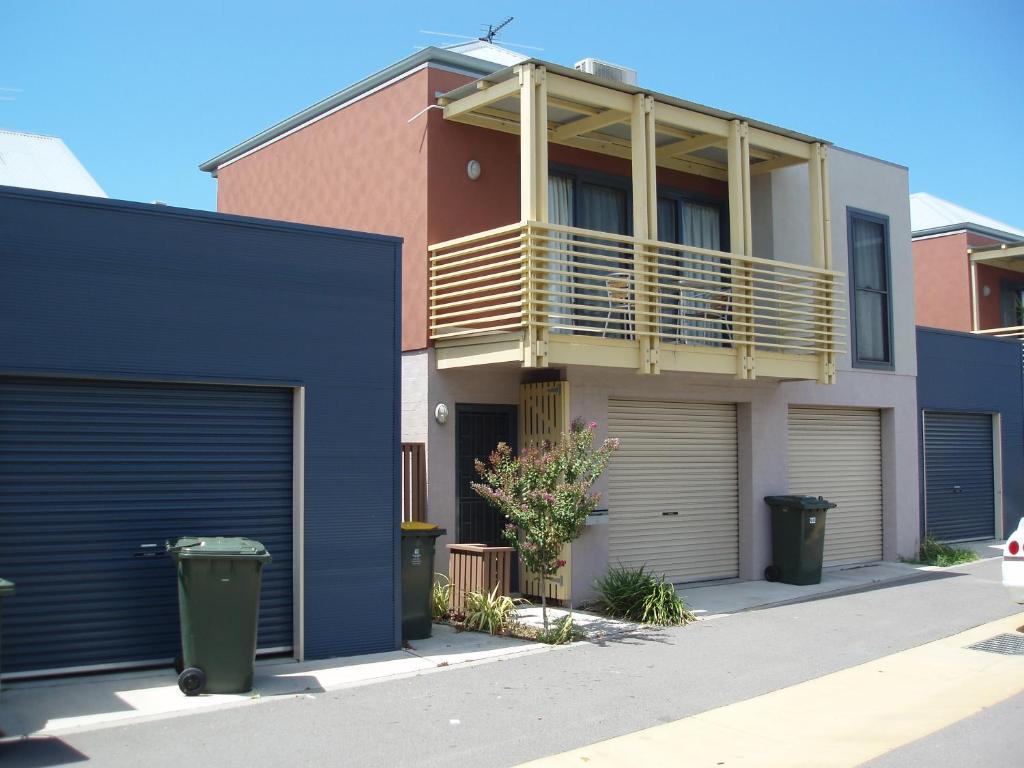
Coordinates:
x,y
934,552
441,598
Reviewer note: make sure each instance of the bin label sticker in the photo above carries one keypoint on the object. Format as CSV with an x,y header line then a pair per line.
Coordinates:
x,y
417,558
812,520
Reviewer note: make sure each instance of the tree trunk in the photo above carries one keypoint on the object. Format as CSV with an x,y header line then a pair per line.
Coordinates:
x,y
544,598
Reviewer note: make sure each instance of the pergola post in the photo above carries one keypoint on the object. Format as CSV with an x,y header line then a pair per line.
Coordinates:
x,y
974,294
821,254
645,227
740,243
533,186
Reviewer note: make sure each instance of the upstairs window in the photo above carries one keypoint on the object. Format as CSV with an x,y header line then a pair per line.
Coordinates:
x,y
871,296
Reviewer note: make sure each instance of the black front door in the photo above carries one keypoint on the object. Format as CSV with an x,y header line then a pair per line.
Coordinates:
x,y
479,429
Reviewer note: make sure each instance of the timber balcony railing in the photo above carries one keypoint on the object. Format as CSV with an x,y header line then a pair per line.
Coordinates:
x,y
1011,332
548,294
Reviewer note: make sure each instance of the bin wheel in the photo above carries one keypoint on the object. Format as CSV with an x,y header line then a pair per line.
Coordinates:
x,y
192,681
179,663
771,573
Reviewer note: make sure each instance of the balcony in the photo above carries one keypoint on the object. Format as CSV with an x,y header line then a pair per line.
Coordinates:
x,y
541,294
990,265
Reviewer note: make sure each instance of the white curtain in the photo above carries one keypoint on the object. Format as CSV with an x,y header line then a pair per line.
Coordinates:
x,y
700,226
560,211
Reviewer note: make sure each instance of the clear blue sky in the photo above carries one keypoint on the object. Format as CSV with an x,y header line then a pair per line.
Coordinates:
x,y
143,92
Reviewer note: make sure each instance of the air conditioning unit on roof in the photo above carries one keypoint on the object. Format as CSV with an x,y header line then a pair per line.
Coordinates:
x,y
608,71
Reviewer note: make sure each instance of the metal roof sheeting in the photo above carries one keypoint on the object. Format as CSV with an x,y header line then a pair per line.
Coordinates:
x,y
43,162
933,215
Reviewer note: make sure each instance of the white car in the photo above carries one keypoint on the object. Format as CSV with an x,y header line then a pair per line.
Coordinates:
x,y
1013,564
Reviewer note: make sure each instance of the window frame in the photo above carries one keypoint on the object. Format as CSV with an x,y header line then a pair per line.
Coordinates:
x,y
876,218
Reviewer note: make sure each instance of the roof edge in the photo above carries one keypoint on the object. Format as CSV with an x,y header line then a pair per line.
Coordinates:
x,y
430,55
172,211
966,226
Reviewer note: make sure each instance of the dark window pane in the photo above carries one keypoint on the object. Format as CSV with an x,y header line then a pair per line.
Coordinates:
x,y
868,238
668,230
603,209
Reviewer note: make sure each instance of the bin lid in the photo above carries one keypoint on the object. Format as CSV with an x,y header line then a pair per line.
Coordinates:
x,y
799,502
6,588
414,528
232,547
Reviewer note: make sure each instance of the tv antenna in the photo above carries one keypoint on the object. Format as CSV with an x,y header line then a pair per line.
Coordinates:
x,y
491,32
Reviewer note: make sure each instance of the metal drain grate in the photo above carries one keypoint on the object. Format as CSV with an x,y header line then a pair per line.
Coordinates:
x,y
1008,645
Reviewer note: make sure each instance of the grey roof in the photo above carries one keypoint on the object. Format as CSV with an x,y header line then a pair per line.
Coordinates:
x,y
930,215
470,65
33,161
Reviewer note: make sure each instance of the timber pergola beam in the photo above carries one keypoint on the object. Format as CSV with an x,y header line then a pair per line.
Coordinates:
x,y
481,98
1002,256
593,107
588,124
689,146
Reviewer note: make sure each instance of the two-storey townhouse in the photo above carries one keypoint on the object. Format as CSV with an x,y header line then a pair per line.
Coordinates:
x,y
969,285
968,269
580,247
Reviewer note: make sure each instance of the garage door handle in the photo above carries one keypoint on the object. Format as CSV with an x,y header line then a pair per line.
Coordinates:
x,y
957,489
150,551
670,514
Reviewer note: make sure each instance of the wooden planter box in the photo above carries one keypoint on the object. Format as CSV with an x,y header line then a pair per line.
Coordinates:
x,y
478,568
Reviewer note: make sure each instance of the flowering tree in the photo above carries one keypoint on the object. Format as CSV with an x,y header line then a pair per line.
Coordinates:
x,y
545,494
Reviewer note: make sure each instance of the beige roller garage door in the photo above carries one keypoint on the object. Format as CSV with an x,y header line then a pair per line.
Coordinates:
x,y
673,502
837,453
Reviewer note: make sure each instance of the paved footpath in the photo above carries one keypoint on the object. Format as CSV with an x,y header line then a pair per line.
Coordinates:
x,y
807,682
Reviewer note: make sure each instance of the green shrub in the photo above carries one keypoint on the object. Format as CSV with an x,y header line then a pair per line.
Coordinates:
x,y
489,612
934,552
440,598
637,595
563,631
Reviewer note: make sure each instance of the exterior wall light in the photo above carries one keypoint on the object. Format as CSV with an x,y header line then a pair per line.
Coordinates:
x,y
473,170
441,413
986,291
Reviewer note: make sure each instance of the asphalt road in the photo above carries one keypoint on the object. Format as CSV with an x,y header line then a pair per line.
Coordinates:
x,y
507,712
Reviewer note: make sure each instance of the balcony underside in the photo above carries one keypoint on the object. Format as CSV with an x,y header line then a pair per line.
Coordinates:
x,y
578,349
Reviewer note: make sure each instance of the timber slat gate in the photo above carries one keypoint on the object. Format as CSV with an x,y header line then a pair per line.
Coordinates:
x,y
414,483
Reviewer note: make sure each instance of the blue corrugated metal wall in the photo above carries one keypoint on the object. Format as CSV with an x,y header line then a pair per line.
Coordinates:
x,y
960,372
125,291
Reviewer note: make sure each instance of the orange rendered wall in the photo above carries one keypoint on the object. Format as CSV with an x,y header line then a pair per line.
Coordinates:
x,y
942,282
458,206
366,167
363,167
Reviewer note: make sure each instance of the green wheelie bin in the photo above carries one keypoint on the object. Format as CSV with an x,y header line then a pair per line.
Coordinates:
x,y
219,604
418,542
798,538
6,590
